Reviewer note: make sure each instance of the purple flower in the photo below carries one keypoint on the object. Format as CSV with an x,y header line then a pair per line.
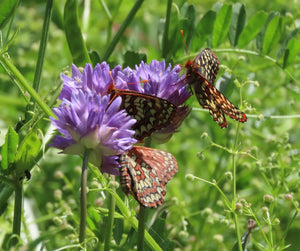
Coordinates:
x,y
163,82
87,125
97,79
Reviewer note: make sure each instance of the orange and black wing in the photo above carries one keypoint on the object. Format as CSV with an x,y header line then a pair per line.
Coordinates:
x,y
144,173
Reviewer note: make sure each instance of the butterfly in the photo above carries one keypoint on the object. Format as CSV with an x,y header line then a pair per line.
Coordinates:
x,y
145,172
152,113
201,75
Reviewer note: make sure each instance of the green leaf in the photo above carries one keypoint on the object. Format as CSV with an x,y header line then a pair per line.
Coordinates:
x,y
291,35
9,148
261,34
73,34
6,11
27,152
252,28
291,52
221,25
203,30
237,23
272,34
132,58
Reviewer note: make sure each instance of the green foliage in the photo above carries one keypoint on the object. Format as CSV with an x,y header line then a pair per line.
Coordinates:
x,y
237,23
7,10
73,34
226,177
27,152
203,30
221,25
253,27
9,148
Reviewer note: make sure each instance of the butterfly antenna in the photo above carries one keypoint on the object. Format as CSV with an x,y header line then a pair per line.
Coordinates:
x,y
187,50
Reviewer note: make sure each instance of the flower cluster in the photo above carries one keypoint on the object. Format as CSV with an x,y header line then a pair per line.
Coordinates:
x,y
88,120
85,121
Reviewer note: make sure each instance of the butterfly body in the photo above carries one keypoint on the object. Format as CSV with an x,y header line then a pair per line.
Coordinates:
x,y
201,74
144,173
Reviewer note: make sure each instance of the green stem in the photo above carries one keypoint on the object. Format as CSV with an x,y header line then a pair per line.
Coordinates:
x,y
262,231
133,221
83,195
43,44
165,42
109,222
141,228
236,220
234,177
16,75
142,216
41,55
123,27
227,202
106,10
17,211
238,234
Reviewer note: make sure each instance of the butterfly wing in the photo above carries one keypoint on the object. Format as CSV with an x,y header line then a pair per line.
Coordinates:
x,y
201,74
144,176
207,65
152,113
164,163
209,97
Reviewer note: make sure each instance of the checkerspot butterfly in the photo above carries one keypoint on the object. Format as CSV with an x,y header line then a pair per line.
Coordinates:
x,y
145,172
201,74
152,113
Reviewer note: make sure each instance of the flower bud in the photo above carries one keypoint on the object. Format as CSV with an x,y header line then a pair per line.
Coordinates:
x,y
58,194
200,156
218,238
183,234
204,135
288,196
189,177
58,175
228,175
268,198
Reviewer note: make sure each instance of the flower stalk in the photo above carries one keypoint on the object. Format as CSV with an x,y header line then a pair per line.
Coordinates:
x,y
17,211
109,221
236,220
83,198
141,228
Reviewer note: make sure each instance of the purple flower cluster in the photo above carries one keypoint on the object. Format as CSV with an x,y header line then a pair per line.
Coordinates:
x,y
89,121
